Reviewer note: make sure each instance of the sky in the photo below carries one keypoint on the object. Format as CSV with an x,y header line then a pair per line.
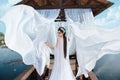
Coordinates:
x,y
110,18
4,6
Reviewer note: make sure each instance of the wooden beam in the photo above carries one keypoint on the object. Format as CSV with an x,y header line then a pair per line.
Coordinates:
x,y
69,7
98,10
69,4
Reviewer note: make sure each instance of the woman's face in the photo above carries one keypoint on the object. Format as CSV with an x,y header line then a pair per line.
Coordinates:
x,y
60,34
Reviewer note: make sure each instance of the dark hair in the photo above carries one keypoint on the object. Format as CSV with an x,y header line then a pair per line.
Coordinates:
x,y
62,29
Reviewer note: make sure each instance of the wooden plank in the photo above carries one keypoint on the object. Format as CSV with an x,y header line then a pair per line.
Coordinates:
x,y
25,74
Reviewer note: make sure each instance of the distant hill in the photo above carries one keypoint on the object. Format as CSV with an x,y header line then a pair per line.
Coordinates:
x,y
1,36
2,42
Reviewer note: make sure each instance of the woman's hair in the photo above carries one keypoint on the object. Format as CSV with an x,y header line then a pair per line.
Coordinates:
x,y
62,29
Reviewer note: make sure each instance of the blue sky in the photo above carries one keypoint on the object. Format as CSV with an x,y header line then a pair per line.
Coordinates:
x,y
109,18
4,6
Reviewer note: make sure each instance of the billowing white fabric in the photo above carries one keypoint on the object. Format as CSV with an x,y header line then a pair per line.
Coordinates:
x,y
26,33
47,32
50,16
91,42
15,36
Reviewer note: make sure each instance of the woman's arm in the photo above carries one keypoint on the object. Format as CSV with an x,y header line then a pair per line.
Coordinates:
x,y
68,39
47,44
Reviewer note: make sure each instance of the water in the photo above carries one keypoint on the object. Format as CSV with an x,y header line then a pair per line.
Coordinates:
x,y
108,67
11,64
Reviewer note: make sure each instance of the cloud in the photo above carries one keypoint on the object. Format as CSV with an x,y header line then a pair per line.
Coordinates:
x,y
112,18
12,2
6,4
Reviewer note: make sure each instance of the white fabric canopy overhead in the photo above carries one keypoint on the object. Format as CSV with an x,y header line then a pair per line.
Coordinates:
x,y
91,42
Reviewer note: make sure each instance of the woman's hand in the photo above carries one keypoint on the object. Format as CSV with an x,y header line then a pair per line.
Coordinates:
x,y
47,44
68,39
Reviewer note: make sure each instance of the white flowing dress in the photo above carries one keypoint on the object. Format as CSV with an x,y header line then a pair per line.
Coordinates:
x,y
61,69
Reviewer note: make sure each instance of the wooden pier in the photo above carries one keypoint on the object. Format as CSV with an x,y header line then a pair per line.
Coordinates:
x,y
32,74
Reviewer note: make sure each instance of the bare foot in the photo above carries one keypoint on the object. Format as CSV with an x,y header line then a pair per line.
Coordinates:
x,y
81,77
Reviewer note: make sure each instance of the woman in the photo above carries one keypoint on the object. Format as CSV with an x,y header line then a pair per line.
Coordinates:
x,y
61,69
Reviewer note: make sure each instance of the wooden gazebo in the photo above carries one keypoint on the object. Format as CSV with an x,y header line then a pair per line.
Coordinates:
x,y
97,7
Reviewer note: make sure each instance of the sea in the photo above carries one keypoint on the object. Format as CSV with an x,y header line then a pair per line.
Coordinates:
x,y
11,66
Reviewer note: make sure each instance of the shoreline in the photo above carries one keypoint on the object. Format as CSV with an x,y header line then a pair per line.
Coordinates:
x,y
3,46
